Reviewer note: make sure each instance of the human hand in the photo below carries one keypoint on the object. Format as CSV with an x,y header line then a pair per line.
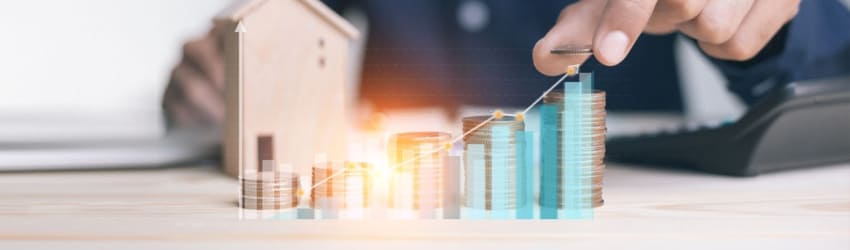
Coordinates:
x,y
194,96
725,29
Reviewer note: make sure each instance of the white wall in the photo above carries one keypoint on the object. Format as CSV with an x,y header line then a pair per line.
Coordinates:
x,y
93,55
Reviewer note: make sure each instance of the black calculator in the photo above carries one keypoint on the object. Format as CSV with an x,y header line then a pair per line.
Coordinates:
x,y
799,125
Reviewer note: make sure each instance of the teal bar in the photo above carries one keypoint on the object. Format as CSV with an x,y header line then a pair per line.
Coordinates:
x,y
427,199
525,163
451,188
576,169
289,214
549,161
476,182
571,150
328,208
586,191
305,213
500,172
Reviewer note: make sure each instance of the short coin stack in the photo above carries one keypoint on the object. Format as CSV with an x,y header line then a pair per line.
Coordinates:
x,y
269,190
341,185
591,168
417,160
486,185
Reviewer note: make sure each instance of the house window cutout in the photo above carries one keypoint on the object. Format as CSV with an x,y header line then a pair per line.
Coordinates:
x,y
265,153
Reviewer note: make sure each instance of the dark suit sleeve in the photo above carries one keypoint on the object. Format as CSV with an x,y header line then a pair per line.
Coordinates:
x,y
815,44
339,5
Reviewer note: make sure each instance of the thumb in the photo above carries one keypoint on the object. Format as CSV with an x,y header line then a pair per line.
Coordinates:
x,y
621,24
576,26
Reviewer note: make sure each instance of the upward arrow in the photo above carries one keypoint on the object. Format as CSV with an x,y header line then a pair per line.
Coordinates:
x,y
240,28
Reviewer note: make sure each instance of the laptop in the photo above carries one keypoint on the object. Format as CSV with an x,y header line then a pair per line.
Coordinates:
x,y
43,141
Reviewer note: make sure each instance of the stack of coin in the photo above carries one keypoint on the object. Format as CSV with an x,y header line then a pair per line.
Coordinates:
x,y
341,185
416,166
269,190
490,195
588,170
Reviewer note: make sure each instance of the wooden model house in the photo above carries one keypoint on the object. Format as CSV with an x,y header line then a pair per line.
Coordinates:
x,y
286,64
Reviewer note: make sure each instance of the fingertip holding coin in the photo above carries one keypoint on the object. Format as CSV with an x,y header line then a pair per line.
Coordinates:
x,y
572,50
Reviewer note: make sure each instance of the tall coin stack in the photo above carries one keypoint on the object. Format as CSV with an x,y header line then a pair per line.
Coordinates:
x,y
341,185
416,164
487,186
595,124
270,190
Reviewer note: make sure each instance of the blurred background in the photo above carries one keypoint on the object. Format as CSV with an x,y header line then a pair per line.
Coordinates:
x,y
94,55
91,68
102,56
66,59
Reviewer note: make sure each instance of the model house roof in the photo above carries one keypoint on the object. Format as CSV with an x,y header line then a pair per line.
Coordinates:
x,y
242,8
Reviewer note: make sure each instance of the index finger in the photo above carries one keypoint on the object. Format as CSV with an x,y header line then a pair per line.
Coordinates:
x,y
621,24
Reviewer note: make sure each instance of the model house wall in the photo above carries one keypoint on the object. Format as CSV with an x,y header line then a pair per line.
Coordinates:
x,y
285,78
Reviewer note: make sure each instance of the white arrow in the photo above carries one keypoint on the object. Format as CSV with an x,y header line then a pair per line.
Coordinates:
x,y
240,28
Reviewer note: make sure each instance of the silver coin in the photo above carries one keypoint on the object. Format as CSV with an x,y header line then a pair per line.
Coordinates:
x,y
572,50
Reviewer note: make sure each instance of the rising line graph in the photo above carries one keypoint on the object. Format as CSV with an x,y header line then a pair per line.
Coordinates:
x,y
497,114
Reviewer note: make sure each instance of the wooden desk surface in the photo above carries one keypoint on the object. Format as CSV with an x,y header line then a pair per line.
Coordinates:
x,y
645,209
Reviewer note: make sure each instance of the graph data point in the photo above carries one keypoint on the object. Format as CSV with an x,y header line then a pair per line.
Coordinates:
x,y
300,193
448,146
498,114
572,69
520,116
